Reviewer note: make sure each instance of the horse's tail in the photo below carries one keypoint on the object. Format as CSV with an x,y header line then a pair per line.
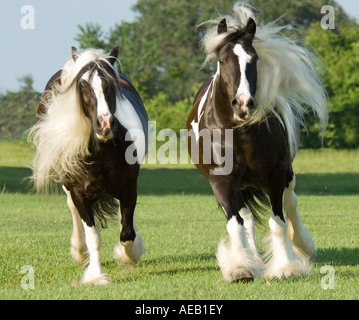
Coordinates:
x,y
106,208
258,202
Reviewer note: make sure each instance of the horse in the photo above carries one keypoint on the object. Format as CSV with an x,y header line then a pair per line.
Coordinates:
x,y
85,123
264,84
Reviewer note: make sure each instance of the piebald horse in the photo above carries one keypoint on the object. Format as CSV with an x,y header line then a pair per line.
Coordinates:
x,y
262,88
86,118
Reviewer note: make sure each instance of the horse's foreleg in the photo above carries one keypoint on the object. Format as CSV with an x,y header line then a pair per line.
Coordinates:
x,y
249,226
79,250
281,260
93,273
234,255
302,240
130,247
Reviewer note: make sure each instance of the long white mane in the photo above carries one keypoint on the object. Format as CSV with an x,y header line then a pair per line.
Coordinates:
x,y
62,134
288,81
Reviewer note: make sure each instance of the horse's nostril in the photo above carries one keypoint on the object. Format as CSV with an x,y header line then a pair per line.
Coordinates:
x,y
107,132
250,104
99,122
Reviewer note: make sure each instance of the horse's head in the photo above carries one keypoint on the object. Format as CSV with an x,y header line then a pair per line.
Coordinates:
x,y
237,68
98,88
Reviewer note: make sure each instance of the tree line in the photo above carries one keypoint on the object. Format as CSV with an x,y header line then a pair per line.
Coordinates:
x,y
160,51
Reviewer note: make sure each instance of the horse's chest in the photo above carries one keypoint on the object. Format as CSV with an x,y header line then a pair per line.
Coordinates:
x,y
255,162
107,173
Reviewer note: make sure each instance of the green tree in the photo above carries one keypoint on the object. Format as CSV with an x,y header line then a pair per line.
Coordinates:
x,y
161,53
161,50
339,53
26,83
18,110
297,13
91,36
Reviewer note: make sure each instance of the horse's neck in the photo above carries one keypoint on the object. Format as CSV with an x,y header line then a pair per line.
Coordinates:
x,y
220,105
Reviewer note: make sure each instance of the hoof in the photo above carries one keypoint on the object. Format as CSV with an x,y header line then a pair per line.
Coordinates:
x,y
242,275
296,268
101,280
130,252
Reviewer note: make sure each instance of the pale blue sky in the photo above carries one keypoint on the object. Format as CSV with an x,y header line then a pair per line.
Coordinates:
x,y
42,51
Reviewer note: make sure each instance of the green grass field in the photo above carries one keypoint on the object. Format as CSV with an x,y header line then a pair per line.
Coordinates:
x,y
180,223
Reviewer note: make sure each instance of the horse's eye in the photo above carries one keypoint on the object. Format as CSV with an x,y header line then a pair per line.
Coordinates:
x,y
220,61
82,84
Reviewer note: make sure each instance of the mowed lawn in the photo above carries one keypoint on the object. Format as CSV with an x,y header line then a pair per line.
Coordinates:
x,y
181,225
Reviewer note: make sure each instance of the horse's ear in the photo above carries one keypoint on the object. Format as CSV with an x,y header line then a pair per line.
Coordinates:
x,y
113,55
74,53
250,29
222,26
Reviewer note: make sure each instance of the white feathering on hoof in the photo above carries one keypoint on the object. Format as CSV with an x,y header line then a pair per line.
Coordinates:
x,y
130,252
280,259
237,263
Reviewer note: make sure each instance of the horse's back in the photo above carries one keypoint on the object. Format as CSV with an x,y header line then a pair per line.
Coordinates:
x,y
138,118
131,94
55,79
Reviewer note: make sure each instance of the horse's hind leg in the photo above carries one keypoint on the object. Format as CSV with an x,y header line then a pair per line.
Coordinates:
x,y
93,273
130,247
302,240
281,260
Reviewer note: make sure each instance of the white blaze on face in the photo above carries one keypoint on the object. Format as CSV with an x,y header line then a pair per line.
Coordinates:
x,y
243,92
102,107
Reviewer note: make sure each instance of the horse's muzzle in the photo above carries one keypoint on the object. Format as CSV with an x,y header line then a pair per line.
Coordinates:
x,y
243,109
104,127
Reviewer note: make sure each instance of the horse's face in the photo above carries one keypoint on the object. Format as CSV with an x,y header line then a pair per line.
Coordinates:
x,y
98,89
237,67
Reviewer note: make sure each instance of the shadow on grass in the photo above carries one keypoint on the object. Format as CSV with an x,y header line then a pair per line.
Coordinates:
x,y
163,181
172,181
328,184
338,256
15,180
171,265
180,258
